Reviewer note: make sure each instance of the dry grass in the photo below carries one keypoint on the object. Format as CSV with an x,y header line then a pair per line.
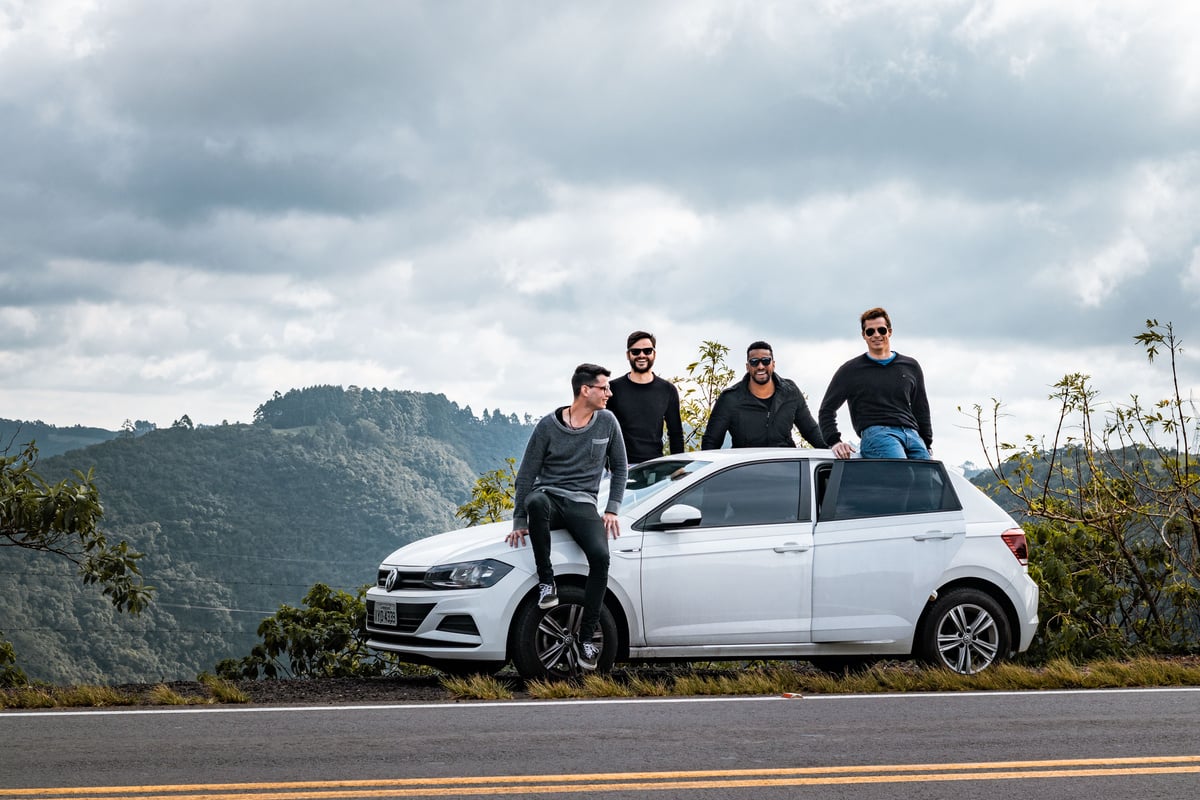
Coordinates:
x,y
755,678
476,687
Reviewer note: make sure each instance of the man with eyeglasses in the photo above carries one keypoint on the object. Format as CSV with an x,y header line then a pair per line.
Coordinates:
x,y
643,403
557,485
886,394
762,409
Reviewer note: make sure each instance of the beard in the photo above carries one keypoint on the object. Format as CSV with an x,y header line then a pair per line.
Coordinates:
x,y
641,370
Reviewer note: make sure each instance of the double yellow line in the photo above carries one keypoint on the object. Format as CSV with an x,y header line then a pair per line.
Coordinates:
x,y
630,781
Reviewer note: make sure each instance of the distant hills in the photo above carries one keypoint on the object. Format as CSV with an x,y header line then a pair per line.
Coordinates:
x,y
51,440
237,519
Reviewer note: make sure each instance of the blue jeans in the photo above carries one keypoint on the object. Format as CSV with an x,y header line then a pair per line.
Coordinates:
x,y
887,441
548,512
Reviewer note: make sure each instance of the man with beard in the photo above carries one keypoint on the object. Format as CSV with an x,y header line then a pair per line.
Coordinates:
x,y
762,409
644,403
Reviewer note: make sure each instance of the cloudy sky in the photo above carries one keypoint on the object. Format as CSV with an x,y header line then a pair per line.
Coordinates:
x,y
204,202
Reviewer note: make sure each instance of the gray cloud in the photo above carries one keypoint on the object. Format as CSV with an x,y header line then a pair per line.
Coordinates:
x,y
200,204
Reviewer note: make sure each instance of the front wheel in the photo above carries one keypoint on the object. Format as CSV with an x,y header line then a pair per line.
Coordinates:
x,y
966,632
545,642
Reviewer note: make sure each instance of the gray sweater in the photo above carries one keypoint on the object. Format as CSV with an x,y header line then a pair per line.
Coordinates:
x,y
569,462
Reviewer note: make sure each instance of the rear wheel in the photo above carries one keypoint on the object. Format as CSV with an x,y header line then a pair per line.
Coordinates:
x,y
966,631
545,642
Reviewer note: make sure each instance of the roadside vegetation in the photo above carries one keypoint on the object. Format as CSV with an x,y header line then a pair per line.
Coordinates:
x,y
734,679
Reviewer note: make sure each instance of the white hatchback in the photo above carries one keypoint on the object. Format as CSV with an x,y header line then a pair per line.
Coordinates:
x,y
733,554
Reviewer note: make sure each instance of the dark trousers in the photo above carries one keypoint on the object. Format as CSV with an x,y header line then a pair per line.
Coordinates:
x,y
548,512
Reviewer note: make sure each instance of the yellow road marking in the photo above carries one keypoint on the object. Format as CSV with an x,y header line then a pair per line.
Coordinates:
x,y
639,781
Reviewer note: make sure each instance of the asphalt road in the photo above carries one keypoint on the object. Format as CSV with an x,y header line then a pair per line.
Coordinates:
x,y
1095,745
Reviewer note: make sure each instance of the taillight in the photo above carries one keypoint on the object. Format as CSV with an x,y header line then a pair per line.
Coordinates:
x,y
1015,539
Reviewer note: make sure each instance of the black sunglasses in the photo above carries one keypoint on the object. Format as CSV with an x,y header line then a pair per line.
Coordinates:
x,y
765,361
641,351
872,331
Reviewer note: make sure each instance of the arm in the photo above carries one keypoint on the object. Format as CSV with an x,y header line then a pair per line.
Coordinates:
x,y
835,395
527,472
718,424
674,423
807,426
920,407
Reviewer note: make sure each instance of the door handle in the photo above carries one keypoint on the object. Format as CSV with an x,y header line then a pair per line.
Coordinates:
x,y
921,537
792,547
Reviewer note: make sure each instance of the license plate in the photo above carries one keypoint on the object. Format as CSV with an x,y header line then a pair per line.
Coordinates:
x,y
385,614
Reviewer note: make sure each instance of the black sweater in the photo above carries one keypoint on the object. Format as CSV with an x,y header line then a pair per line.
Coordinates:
x,y
642,408
879,394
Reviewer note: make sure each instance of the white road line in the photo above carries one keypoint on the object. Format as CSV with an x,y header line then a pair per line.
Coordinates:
x,y
473,705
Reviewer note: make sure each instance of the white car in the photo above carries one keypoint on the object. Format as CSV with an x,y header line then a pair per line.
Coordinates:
x,y
733,554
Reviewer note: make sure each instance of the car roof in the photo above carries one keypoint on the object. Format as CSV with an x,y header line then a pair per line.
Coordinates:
x,y
730,455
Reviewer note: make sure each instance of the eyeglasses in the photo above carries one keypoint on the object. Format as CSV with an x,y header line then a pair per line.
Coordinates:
x,y
604,388
641,351
873,331
765,361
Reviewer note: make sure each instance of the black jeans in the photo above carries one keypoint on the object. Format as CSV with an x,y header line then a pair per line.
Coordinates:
x,y
548,512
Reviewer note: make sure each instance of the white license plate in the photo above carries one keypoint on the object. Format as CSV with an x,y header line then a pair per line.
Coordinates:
x,y
385,614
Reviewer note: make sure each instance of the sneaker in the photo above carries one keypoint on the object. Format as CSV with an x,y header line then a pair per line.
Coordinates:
x,y
589,656
547,596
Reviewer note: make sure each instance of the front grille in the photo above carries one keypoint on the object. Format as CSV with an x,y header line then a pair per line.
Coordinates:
x,y
409,616
405,579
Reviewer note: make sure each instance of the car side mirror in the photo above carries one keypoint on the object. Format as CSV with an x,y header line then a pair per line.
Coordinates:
x,y
677,516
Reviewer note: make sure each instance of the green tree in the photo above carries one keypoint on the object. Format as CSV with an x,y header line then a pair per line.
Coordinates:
x,y
325,640
706,378
491,496
10,673
1116,547
63,519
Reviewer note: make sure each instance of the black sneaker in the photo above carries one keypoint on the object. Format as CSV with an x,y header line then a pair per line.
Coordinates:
x,y
589,656
547,596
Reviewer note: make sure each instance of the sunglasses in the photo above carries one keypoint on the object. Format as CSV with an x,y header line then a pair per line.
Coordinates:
x,y
765,361
641,351
873,331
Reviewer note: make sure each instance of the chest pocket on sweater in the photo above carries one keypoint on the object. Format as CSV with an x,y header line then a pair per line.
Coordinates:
x,y
599,450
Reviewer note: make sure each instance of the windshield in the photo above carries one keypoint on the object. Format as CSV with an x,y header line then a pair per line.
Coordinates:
x,y
648,479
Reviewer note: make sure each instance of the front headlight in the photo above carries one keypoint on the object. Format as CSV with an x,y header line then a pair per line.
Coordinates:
x,y
466,575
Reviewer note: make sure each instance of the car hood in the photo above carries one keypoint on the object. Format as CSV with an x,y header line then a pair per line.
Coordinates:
x,y
467,544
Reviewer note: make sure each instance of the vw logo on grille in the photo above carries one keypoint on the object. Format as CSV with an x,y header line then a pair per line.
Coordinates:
x,y
392,576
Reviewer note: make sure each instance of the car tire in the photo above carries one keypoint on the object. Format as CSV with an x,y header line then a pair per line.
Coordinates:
x,y
965,631
544,643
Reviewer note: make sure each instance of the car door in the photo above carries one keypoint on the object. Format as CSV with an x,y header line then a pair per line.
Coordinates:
x,y
742,574
885,532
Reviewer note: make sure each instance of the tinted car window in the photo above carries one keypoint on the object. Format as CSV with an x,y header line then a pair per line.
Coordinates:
x,y
870,488
751,494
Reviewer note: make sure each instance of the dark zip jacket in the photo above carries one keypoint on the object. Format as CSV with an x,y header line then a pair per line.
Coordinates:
x,y
754,423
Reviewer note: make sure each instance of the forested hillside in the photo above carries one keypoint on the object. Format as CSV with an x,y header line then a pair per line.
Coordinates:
x,y
236,519
51,439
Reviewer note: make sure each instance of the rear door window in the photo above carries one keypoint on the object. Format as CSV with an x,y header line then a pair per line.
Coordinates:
x,y
879,487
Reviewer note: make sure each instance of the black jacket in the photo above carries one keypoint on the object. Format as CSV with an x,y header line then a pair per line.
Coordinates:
x,y
753,423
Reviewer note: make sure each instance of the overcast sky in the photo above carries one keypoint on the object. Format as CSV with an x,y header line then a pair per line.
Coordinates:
x,y
204,202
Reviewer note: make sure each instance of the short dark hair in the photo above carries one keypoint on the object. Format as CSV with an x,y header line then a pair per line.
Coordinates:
x,y
759,345
586,374
872,313
637,336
